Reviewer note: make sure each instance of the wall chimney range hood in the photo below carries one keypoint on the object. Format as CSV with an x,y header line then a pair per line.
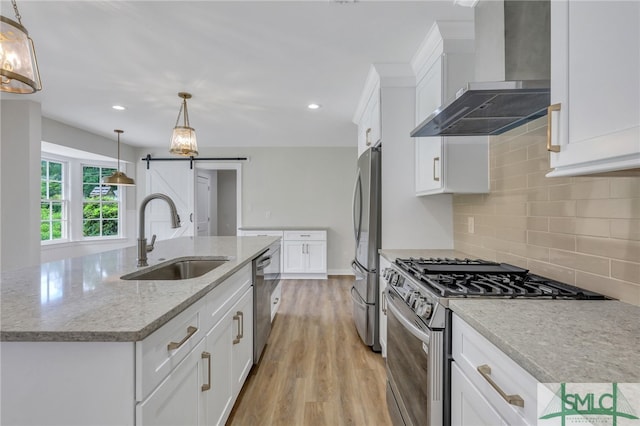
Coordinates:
x,y
513,66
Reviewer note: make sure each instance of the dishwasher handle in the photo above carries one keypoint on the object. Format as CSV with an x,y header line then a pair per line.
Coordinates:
x,y
264,262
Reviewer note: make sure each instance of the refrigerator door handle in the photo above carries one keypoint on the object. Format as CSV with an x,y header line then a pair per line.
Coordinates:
x,y
357,197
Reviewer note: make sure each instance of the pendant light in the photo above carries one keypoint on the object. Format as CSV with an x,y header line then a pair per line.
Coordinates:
x,y
18,65
118,177
183,139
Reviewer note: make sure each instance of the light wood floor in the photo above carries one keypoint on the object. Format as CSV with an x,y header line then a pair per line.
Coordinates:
x,y
314,370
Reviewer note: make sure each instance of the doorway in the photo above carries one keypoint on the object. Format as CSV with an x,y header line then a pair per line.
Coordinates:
x,y
218,198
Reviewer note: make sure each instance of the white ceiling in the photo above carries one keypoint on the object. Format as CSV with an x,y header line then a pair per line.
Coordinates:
x,y
252,67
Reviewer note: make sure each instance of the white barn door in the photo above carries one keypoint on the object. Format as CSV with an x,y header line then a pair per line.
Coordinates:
x,y
175,179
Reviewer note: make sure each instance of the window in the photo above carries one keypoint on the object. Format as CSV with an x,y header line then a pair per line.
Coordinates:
x,y
53,212
100,203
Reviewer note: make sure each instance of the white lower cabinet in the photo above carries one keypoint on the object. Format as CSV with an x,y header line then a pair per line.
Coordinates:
x,y
276,300
487,386
188,372
468,406
202,389
242,343
305,254
179,399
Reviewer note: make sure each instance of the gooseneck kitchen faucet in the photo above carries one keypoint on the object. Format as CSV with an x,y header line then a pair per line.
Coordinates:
x,y
143,248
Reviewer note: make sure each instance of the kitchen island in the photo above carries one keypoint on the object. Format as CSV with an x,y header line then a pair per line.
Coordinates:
x,y
87,347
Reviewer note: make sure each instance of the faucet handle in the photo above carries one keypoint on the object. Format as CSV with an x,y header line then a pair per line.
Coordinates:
x,y
150,245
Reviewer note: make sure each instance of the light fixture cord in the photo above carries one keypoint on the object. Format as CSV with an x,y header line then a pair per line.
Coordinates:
x,y
179,112
186,114
15,9
118,151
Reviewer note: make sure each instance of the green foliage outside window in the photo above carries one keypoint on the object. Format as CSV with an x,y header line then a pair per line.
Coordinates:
x,y
100,207
52,215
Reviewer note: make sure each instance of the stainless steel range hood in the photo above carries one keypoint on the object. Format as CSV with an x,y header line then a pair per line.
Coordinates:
x,y
513,59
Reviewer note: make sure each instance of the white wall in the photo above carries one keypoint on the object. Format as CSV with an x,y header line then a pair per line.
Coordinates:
x,y
23,130
306,187
408,221
20,184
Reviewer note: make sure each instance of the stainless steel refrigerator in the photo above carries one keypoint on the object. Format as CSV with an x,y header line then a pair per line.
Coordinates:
x,y
366,228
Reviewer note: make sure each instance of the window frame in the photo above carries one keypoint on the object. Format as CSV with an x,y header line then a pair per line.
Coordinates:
x,y
64,201
75,198
120,201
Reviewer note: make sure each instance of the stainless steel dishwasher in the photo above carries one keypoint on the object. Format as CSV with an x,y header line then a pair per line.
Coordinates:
x,y
266,274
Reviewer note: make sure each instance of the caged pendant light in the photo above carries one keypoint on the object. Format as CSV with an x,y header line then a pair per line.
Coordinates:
x,y
183,139
118,177
18,64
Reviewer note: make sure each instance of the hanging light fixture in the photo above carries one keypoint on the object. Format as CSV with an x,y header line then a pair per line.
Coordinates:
x,y
118,177
183,139
18,65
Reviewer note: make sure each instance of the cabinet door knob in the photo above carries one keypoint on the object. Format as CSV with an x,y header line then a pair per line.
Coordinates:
x,y
550,110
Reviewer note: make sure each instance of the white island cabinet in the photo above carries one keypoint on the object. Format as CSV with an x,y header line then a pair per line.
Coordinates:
x,y
595,87
187,371
203,387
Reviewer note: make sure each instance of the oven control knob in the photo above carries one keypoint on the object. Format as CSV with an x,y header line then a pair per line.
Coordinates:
x,y
424,308
413,299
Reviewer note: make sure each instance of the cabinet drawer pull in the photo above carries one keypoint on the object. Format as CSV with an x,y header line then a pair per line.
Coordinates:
x,y
275,302
191,330
435,160
550,146
305,235
207,386
239,316
485,371
367,139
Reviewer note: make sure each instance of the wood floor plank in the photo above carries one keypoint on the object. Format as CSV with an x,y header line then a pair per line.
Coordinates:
x,y
314,371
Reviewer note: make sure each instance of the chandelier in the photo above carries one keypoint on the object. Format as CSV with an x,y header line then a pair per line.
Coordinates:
x,y
183,139
18,64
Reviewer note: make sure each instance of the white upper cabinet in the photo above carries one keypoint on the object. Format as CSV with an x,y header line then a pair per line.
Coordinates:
x,y
367,115
595,84
443,64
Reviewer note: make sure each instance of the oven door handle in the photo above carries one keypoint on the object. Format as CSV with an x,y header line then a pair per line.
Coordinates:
x,y
411,328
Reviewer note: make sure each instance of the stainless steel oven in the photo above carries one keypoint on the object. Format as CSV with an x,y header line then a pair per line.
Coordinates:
x,y
415,364
419,325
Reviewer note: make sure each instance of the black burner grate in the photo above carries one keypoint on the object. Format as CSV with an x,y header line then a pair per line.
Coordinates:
x,y
479,278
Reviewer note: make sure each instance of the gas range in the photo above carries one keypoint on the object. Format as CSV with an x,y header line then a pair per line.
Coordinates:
x,y
419,324
426,284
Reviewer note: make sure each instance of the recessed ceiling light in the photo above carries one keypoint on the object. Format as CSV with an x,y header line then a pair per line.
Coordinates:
x,y
313,106
118,107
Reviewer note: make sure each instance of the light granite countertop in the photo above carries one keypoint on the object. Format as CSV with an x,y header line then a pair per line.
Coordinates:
x,y
576,341
84,299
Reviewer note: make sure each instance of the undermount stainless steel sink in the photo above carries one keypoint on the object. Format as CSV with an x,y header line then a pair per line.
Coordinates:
x,y
178,269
